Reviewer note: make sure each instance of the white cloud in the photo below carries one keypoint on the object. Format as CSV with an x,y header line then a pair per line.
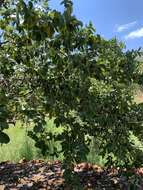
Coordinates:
x,y
121,28
135,34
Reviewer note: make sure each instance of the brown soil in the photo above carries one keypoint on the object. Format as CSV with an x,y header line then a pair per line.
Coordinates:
x,y
40,175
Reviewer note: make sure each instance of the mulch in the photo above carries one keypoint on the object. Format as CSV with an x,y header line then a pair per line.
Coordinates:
x,y
40,175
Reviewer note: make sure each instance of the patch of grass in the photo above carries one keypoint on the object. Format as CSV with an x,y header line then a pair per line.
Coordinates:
x,y
93,156
20,146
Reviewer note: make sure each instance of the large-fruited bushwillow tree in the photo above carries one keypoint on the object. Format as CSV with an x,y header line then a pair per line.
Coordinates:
x,y
53,66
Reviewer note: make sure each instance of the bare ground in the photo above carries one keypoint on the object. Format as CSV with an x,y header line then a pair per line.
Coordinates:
x,y
40,175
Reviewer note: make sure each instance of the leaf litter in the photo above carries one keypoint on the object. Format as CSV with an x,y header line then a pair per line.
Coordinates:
x,y
41,175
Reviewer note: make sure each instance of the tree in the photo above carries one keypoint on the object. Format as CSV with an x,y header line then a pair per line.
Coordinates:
x,y
53,66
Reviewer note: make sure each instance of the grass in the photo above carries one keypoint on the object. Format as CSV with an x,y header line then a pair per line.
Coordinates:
x,y
21,146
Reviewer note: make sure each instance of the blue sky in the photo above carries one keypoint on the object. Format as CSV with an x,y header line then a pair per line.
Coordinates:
x,y
120,18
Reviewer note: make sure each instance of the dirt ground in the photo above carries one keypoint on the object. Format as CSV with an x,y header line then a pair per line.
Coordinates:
x,y
40,175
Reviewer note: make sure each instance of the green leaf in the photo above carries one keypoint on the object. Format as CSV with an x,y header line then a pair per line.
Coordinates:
x,y
4,138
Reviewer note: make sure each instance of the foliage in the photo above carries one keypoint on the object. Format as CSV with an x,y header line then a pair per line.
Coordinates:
x,y
53,66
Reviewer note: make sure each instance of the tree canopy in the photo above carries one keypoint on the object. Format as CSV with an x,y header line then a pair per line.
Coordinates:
x,y
52,66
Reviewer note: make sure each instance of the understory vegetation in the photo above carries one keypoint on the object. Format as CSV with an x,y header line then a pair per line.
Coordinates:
x,y
22,146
